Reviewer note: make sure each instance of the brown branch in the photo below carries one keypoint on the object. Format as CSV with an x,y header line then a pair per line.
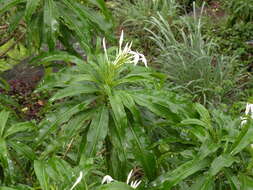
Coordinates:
x,y
68,148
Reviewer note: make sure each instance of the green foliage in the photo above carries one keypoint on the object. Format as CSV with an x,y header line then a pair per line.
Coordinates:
x,y
105,114
133,17
108,95
14,137
48,21
137,12
58,174
240,10
190,60
14,55
221,154
233,40
115,186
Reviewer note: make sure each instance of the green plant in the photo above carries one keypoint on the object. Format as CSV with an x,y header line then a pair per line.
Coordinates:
x,y
133,17
240,10
137,12
106,114
232,41
217,154
11,54
6,102
105,107
48,21
57,174
15,154
190,61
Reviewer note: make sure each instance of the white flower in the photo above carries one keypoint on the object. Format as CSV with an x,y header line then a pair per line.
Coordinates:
x,y
107,179
104,46
77,181
121,40
129,176
133,184
143,59
138,57
125,55
244,120
248,111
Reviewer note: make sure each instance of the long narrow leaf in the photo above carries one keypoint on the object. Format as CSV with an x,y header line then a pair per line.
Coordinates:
x,y
51,25
225,160
40,171
4,115
97,131
31,6
8,4
170,179
146,158
23,149
20,127
74,91
56,56
244,138
63,118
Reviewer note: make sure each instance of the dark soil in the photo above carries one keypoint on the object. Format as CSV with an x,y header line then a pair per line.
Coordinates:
x,y
23,79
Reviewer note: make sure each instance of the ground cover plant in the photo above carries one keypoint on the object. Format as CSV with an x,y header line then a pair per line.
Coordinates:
x,y
123,95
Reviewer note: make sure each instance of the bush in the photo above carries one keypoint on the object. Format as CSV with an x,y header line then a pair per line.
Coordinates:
x,y
190,60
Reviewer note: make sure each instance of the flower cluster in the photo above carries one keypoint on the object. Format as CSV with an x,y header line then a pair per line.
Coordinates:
x,y
108,179
133,184
125,55
248,111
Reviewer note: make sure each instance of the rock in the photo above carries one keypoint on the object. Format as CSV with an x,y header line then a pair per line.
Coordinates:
x,y
250,42
25,72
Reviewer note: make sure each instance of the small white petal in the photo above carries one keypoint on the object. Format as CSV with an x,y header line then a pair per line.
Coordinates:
x,y
130,45
107,179
244,120
104,46
129,176
247,109
121,40
136,57
135,184
127,48
77,181
144,60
